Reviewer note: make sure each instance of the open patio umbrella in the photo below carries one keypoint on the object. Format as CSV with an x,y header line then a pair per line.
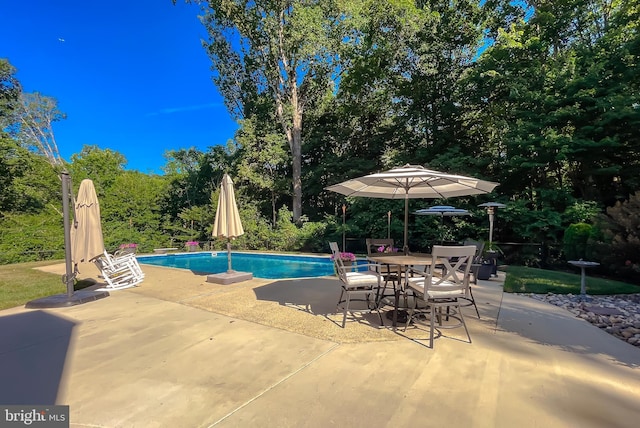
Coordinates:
x,y
443,211
412,182
227,223
86,233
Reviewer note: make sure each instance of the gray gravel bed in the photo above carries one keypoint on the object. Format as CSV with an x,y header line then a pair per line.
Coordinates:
x,y
618,314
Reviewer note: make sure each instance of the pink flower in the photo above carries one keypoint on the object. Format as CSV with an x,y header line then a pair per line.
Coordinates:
x,y
349,257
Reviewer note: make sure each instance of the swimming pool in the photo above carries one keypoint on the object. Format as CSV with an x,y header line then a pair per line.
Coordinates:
x,y
268,266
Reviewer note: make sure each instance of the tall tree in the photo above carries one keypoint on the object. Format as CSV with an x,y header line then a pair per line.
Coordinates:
x,y
10,152
101,166
433,102
263,163
10,90
274,47
36,115
191,179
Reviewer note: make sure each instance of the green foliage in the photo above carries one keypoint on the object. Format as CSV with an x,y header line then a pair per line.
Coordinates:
x,y
285,236
134,198
289,236
10,90
263,165
581,212
618,238
30,237
192,176
27,181
276,50
575,241
101,166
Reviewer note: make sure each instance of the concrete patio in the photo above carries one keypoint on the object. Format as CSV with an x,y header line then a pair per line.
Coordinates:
x,y
181,352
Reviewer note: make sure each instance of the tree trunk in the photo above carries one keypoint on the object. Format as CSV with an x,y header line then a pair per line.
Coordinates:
x,y
296,153
274,211
294,138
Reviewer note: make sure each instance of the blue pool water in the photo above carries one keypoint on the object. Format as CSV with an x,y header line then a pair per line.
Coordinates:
x,y
269,266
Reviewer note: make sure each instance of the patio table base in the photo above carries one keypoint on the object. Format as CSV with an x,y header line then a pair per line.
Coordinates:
x,y
401,318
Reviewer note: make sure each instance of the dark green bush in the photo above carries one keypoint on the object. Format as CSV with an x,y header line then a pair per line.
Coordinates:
x,y
618,239
575,241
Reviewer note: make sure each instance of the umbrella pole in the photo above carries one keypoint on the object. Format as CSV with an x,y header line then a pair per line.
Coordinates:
x,y
226,192
229,270
68,277
406,224
389,225
490,230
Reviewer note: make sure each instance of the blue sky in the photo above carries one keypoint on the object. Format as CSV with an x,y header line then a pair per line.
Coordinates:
x,y
131,75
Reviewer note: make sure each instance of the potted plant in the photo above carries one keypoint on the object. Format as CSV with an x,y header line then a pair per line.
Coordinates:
x,y
129,248
192,245
346,257
485,270
490,257
387,249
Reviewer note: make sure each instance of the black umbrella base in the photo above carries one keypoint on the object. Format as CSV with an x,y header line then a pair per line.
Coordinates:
x,y
63,300
402,316
229,277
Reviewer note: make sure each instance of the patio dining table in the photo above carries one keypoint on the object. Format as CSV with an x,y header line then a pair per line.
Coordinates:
x,y
405,262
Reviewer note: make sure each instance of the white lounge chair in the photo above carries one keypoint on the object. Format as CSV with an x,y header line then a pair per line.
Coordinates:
x,y
119,272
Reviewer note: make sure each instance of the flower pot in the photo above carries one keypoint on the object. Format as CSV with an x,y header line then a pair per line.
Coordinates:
x,y
128,250
484,271
192,248
491,257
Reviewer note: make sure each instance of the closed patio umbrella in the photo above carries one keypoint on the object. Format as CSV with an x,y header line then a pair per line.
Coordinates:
x,y
227,223
82,241
412,182
86,233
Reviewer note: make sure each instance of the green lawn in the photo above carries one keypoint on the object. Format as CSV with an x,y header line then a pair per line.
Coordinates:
x,y
20,283
522,279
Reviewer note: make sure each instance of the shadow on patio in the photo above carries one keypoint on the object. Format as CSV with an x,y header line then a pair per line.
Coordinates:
x,y
34,347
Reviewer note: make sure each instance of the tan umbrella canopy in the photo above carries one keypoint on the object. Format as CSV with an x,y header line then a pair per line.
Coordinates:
x,y
412,182
72,297
227,223
86,233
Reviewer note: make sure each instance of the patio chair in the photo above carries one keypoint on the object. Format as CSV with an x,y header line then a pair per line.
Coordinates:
x,y
360,282
434,292
119,272
477,258
390,273
476,264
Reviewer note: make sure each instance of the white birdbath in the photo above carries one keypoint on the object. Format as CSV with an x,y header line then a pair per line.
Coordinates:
x,y
583,265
